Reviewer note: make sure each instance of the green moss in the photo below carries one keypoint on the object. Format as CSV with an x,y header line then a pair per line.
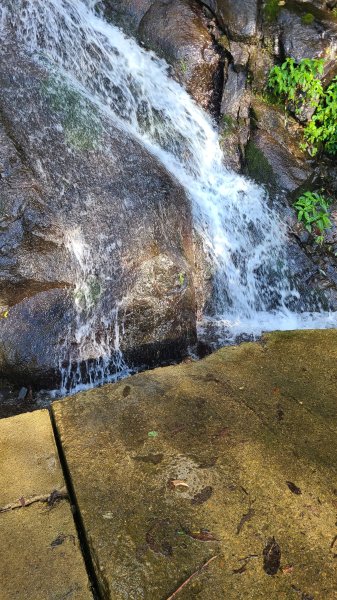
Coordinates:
x,y
223,41
228,125
183,66
82,128
308,19
258,166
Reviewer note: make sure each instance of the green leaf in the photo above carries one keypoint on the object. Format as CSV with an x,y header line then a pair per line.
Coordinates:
x,y
153,434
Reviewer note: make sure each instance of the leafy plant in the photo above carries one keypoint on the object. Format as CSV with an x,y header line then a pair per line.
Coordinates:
x,y
271,10
321,131
313,211
297,84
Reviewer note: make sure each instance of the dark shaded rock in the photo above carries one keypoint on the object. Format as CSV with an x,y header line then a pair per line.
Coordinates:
x,y
177,31
32,335
312,40
238,18
273,156
235,122
125,13
84,204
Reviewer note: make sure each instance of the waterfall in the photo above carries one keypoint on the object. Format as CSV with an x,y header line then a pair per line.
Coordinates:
x,y
242,236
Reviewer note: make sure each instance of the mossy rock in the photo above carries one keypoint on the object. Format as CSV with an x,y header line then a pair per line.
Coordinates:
x,y
258,167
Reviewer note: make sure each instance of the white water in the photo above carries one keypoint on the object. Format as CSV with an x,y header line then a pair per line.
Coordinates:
x,y
243,238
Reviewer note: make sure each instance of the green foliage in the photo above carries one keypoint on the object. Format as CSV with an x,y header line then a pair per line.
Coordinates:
x,y
321,131
297,83
308,19
183,66
181,278
271,10
313,211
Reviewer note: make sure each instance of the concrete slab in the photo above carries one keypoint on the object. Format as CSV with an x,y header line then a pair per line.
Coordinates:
x,y
40,556
232,458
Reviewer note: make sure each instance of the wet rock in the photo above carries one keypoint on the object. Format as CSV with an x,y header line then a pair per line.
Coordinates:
x,y
238,18
78,189
273,156
235,122
177,30
125,13
22,393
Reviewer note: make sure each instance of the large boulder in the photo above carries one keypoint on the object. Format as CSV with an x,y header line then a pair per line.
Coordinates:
x,y
96,243
301,39
125,13
273,155
239,19
179,32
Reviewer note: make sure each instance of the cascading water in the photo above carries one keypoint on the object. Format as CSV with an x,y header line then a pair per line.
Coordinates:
x,y
243,238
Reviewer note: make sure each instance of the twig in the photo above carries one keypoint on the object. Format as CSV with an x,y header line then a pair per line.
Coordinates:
x,y
197,572
51,499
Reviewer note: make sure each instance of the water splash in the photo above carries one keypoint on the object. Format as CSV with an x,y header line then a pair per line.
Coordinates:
x,y
242,236
91,351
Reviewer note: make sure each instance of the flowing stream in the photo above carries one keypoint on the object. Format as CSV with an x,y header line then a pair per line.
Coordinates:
x,y
243,238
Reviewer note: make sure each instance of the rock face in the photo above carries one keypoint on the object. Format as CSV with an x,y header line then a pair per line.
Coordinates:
x,y
306,40
178,31
218,459
239,19
273,153
85,211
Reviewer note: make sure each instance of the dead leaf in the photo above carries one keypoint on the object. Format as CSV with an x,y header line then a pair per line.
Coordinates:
x,y
271,557
287,569
203,496
154,459
203,535
22,501
246,517
293,488
223,432
174,484
241,569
